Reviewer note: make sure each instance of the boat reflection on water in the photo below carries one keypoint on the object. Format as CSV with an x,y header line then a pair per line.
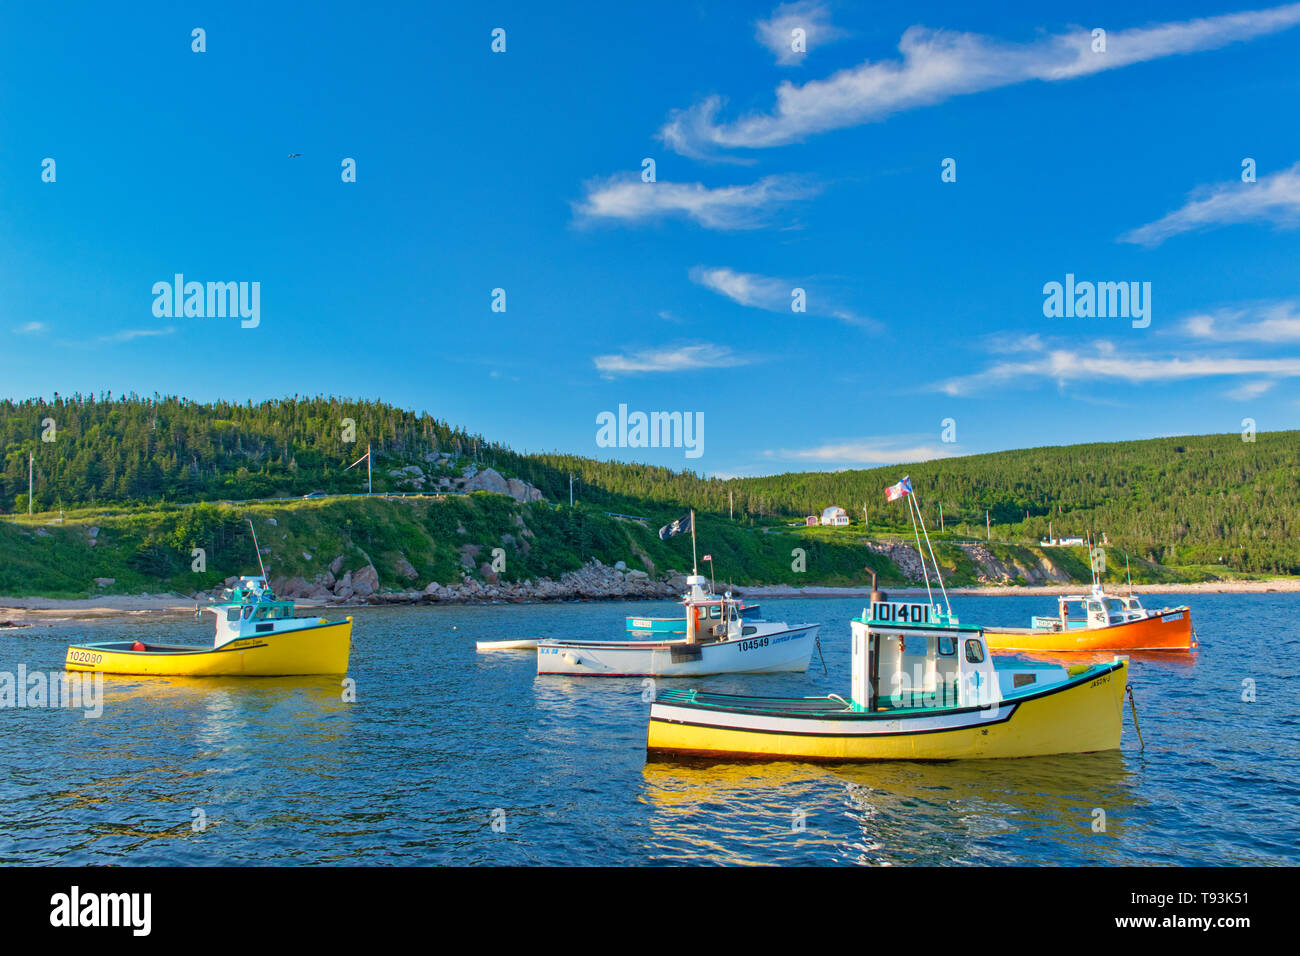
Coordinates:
x,y
227,713
986,812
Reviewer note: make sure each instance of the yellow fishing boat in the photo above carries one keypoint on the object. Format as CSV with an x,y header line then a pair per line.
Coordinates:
x,y
256,636
924,688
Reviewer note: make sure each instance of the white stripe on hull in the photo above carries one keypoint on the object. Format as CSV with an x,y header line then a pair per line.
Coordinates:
x,y
862,726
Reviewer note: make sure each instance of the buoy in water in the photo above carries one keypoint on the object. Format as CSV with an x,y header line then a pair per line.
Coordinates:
x,y
137,646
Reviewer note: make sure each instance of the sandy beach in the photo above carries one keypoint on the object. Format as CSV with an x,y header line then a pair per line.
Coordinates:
x,y
30,609
1271,585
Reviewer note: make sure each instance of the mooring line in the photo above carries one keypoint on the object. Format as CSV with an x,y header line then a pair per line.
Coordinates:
x,y
1133,709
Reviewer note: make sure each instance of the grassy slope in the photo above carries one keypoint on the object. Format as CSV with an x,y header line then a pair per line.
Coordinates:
x,y
151,549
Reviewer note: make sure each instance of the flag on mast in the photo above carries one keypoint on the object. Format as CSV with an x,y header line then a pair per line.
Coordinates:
x,y
680,526
904,487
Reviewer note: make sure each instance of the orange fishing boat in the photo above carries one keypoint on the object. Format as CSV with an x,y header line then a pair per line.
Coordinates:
x,y
1099,622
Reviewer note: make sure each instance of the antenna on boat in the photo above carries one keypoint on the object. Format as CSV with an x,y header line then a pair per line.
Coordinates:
x,y
256,547
1092,562
695,564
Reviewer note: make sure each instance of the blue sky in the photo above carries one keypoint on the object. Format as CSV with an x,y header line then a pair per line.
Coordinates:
x,y
774,170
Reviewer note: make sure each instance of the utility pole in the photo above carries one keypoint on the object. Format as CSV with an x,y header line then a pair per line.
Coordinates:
x,y
866,522
31,467
988,526
570,489
370,487
941,516
731,505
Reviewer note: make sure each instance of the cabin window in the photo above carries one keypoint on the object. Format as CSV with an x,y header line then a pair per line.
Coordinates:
x,y
232,615
974,652
915,645
947,647
715,612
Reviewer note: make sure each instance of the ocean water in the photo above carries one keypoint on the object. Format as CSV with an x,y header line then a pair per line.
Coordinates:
x,y
451,756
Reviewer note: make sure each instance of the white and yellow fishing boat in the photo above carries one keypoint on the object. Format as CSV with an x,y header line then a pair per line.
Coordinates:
x,y
256,636
923,688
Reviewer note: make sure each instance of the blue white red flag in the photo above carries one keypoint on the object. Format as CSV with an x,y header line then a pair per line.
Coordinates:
x,y
904,487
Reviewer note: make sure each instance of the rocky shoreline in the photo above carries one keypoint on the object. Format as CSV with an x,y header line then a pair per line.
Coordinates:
x,y
583,585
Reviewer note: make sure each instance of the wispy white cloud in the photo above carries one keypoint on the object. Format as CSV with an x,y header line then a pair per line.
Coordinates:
x,y
937,65
1010,344
745,288
680,359
30,328
772,294
746,206
1273,323
126,335
865,451
1102,361
1249,390
1274,198
777,31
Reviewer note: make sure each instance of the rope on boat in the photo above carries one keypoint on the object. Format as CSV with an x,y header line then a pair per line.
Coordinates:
x,y
1133,709
819,653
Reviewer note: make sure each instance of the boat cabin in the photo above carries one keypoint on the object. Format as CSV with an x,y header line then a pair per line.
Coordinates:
x,y
916,655
709,617
910,656
1097,609
250,608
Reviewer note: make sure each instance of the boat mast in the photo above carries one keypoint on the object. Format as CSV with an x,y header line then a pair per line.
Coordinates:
x,y
256,547
919,553
938,576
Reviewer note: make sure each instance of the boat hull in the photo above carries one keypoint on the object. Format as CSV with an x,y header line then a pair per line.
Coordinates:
x,y
321,648
788,650
1082,715
1163,631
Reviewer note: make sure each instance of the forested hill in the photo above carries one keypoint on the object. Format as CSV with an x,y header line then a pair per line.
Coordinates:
x,y
1205,500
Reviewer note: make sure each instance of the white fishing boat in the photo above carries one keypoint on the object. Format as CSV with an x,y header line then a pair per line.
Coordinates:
x,y
720,635
718,640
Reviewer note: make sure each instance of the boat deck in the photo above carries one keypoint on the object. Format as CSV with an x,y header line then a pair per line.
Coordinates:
x,y
899,705
126,647
805,706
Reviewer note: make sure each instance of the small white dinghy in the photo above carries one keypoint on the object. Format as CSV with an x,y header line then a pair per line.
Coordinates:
x,y
718,641
526,644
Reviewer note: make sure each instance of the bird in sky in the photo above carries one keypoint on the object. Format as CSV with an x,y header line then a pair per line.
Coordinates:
x,y
294,155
